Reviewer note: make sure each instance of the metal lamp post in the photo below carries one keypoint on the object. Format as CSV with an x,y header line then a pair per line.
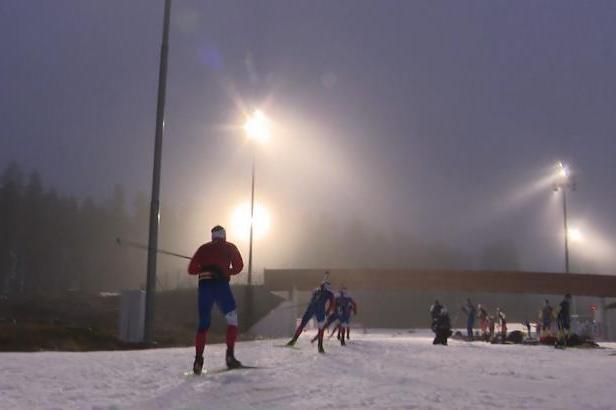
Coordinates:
x,y
252,217
155,202
256,128
565,182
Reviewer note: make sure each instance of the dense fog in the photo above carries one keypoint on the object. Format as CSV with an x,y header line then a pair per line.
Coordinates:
x,y
402,134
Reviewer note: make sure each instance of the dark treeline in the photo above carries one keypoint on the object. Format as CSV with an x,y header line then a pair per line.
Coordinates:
x,y
54,242
50,241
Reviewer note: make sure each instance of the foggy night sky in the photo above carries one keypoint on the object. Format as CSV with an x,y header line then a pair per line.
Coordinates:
x,y
430,117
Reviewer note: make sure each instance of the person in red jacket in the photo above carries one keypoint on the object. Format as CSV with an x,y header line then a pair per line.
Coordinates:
x,y
215,262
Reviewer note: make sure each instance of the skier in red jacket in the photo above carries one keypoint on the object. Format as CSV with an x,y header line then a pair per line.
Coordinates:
x,y
215,262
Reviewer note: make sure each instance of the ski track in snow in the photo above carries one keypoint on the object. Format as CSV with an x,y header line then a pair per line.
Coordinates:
x,y
379,370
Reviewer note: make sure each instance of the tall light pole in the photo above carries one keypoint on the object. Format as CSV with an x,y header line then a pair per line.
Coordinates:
x,y
252,218
565,182
256,128
155,202
567,270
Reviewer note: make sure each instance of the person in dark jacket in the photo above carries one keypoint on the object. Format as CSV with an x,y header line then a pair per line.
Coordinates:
x,y
564,321
483,322
547,315
435,312
470,311
501,319
442,328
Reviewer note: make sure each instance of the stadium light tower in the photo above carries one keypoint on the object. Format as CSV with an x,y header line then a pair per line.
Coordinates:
x,y
564,182
155,202
257,128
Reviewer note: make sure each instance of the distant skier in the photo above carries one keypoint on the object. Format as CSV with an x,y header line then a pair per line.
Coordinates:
x,y
321,304
501,318
483,322
547,315
215,262
346,306
470,311
564,321
435,313
491,327
442,327
333,316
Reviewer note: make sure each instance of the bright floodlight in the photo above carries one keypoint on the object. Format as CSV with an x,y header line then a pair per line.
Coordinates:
x,y
240,221
563,169
575,234
257,127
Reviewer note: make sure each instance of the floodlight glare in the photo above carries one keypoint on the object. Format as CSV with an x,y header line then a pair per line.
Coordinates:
x,y
241,221
575,234
257,127
564,169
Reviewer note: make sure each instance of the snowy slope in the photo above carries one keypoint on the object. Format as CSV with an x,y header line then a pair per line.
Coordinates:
x,y
382,369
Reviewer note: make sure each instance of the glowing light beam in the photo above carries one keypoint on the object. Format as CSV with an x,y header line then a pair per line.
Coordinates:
x,y
575,234
240,221
257,127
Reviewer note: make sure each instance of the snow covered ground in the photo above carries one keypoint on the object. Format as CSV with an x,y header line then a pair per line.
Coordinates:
x,y
381,369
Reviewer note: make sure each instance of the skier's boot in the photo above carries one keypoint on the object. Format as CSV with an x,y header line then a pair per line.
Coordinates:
x,y
321,350
198,365
232,362
342,342
291,342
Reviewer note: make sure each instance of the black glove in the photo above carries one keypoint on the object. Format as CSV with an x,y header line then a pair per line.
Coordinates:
x,y
215,271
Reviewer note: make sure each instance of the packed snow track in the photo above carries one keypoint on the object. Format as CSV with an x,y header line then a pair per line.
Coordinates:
x,y
379,370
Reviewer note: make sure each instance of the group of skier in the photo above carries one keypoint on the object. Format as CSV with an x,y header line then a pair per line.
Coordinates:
x,y
216,261
328,308
548,318
345,305
487,322
441,323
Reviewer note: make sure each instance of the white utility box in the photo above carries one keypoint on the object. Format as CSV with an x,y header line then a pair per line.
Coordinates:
x,y
132,316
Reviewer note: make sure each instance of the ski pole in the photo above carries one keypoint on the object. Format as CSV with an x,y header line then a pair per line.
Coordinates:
x,y
145,247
